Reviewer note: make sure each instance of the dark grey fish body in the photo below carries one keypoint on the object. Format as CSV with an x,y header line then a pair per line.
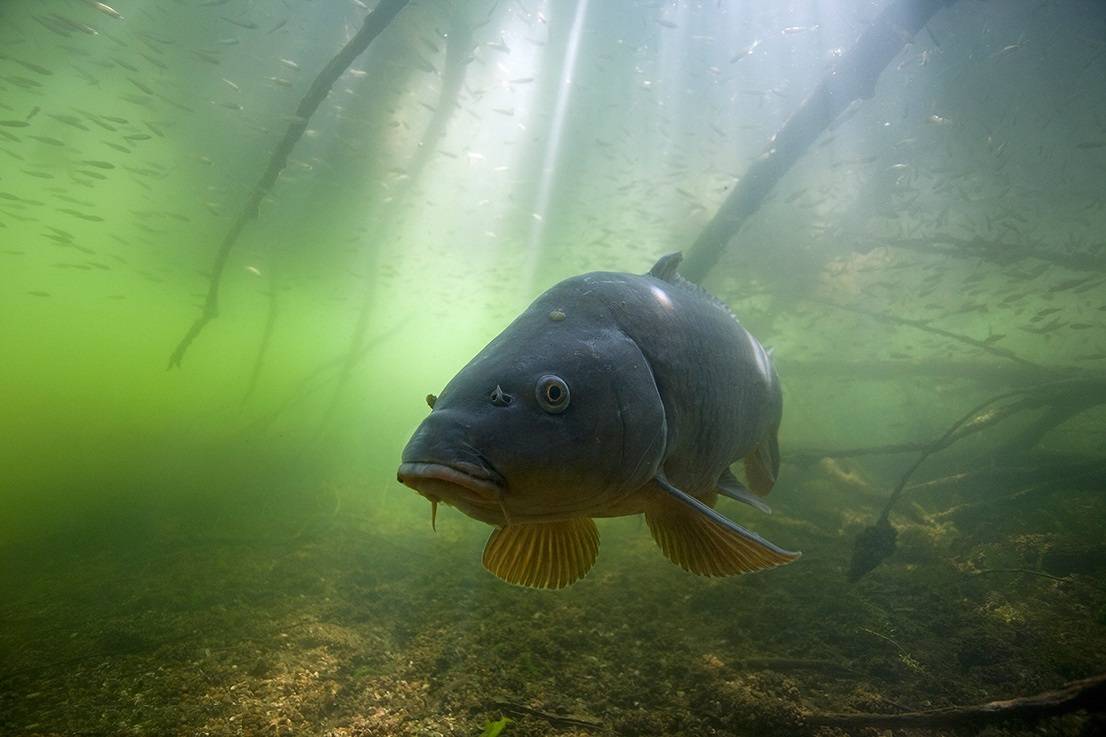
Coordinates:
x,y
612,394
719,389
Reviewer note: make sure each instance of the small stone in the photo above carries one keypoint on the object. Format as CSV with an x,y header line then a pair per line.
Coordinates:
x,y
557,315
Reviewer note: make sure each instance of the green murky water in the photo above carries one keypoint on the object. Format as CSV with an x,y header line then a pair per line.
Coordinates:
x,y
221,547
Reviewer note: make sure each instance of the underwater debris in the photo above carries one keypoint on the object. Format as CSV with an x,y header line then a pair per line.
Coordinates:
x,y
872,546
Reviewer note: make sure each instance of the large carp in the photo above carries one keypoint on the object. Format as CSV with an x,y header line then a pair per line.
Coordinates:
x,y
612,394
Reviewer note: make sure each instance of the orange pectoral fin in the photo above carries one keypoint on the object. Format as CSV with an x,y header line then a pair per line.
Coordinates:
x,y
545,555
702,541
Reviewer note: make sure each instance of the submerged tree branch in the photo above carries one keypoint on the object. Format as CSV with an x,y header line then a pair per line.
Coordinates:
x,y
852,78
318,378
975,420
926,327
458,56
876,543
1082,395
1088,694
375,22
874,369
812,455
998,252
266,339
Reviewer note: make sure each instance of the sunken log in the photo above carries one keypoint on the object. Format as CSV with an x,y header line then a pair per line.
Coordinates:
x,y
1088,694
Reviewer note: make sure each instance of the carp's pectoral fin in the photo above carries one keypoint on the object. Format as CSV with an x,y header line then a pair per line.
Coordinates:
x,y
702,541
762,466
728,485
544,555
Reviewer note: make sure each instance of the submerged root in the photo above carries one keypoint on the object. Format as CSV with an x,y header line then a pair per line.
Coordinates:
x,y
872,546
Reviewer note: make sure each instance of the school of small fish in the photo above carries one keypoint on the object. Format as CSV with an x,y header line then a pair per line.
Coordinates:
x,y
911,206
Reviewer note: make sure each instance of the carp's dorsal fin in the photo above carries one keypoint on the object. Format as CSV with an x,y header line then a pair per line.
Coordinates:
x,y
728,485
702,541
544,555
665,268
762,466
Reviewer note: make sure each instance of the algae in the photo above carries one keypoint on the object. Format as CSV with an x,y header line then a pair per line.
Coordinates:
x,y
494,729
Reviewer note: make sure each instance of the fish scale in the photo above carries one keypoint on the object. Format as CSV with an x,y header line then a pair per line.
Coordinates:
x,y
717,406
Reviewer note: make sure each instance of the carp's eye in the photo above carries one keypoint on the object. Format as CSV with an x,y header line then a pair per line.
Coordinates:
x,y
552,394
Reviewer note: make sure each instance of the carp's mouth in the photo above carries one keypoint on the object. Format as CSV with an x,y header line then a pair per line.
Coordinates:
x,y
468,481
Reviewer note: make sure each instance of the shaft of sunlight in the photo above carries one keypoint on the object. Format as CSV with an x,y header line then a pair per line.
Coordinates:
x,y
553,144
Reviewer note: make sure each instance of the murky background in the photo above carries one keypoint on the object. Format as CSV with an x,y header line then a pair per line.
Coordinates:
x,y
221,547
